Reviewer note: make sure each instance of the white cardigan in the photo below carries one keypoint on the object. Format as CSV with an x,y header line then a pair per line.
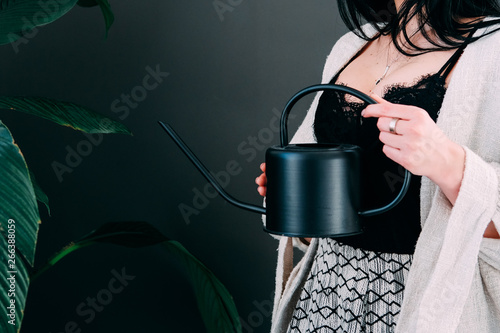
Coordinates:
x,y
454,281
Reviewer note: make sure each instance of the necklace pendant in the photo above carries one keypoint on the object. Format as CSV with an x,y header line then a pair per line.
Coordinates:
x,y
383,75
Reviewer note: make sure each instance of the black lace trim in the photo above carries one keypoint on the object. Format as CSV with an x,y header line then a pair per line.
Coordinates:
x,y
338,120
338,117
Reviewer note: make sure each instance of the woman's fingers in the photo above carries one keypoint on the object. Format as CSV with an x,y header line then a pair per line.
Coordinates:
x,y
262,190
384,124
262,181
378,99
387,109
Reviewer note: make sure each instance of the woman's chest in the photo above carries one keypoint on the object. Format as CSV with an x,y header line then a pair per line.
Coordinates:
x,y
375,70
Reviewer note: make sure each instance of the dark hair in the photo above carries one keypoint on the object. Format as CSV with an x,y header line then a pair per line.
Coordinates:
x,y
440,15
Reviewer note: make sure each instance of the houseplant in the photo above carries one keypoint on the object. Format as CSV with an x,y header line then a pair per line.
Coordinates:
x,y
19,216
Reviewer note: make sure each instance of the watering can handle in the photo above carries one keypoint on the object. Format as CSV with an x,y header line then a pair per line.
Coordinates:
x,y
365,98
306,91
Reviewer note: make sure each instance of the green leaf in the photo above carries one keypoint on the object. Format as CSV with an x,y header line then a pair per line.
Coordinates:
x,y
18,208
18,18
39,194
214,301
216,305
17,195
109,17
64,113
129,234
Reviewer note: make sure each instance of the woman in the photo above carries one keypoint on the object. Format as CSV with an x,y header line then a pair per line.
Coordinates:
x,y
430,61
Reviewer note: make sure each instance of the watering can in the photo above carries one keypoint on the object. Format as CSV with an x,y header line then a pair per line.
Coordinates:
x,y
313,189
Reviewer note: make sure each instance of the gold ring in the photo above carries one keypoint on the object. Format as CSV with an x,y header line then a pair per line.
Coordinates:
x,y
392,125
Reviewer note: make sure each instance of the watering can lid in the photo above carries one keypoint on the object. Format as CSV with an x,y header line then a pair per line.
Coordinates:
x,y
318,147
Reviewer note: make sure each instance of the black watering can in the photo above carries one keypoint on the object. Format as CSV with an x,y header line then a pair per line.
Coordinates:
x,y
313,190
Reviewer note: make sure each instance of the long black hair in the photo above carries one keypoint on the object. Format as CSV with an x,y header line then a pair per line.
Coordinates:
x,y
450,20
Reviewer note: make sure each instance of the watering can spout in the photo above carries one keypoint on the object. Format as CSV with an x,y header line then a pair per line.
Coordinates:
x,y
204,171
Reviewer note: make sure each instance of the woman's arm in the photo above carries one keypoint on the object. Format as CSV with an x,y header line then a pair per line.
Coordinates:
x,y
420,146
450,180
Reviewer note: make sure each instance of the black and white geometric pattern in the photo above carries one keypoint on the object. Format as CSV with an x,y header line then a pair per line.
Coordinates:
x,y
351,291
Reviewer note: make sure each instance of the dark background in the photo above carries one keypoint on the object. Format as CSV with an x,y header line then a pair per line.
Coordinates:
x,y
227,73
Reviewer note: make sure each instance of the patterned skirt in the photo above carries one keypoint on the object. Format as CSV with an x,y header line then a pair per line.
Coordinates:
x,y
351,290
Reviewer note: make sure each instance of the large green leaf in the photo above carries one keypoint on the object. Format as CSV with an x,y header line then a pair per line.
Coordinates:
x,y
214,301
64,113
19,221
19,17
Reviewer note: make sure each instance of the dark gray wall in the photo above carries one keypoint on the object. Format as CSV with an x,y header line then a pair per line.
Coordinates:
x,y
227,73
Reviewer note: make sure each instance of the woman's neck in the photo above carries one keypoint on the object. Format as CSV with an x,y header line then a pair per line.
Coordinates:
x,y
398,4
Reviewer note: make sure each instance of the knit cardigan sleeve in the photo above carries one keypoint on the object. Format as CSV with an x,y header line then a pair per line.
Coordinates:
x,y
454,281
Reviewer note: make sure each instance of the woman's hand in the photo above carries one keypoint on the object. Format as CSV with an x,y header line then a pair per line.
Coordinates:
x,y
262,181
418,144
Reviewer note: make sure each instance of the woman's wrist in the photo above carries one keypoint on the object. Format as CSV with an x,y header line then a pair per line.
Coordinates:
x,y
450,173
305,241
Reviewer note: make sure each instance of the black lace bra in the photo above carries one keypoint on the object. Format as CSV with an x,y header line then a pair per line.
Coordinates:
x,y
339,119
